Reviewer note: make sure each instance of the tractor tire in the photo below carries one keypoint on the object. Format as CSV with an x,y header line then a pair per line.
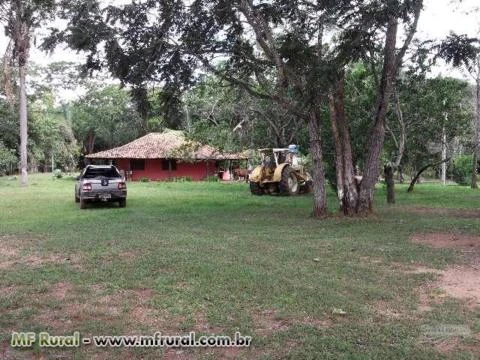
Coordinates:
x,y
255,188
289,184
308,188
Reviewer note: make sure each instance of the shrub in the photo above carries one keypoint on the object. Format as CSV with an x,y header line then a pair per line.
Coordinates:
x,y
144,179
180,179
212,179
57,174
8,159
462,169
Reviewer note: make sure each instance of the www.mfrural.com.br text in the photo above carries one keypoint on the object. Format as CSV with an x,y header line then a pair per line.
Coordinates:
x,y
45,339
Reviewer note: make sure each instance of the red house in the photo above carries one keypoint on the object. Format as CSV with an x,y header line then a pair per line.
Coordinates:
x,y
163,156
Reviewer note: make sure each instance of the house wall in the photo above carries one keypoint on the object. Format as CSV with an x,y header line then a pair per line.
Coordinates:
x,y
153,170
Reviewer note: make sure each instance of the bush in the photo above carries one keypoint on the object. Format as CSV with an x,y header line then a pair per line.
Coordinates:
x,y
180,179
8,159
57,174
462,169
212,179
144,179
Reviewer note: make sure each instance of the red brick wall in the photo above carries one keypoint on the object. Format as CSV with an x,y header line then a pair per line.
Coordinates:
x,y
153,170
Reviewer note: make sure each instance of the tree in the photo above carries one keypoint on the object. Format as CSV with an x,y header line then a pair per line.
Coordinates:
x,y
229,118
104,118
7,159
464,51
51,139
422,110
188,39
357,198
21,17
274,50
8,126
435,112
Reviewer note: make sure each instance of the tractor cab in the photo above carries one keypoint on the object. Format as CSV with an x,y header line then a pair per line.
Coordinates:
x,y
276,156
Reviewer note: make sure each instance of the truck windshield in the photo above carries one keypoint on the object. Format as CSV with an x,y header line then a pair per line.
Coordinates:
x,y
92,173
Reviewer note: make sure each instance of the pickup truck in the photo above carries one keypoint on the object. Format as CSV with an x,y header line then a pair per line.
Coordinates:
x,y
100,183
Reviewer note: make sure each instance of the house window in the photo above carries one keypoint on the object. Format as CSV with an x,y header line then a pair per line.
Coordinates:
x,y
169,165
137,164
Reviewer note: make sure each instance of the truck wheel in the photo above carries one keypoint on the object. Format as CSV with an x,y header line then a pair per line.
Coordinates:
x,y
77,199
83,204
289,183
255,188
122,203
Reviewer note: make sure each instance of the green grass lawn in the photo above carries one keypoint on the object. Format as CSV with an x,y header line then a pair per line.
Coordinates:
x,y
211,258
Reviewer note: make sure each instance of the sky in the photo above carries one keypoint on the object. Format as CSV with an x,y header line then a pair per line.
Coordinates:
x,y
438,19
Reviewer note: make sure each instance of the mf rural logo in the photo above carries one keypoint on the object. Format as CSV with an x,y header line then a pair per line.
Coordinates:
x,y
44,339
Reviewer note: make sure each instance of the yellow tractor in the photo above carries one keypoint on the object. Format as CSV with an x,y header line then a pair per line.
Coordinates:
x,y
280,173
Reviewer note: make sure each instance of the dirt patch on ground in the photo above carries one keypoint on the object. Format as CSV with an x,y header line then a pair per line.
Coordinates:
x,y
144,294
203,326
7,251
127,257
64,307
446,345
21,252
268,322
314,322
177,354
430,294
452,345
61,290
21,260
208,353
463,242
457,213
460,282
386,309
463,282
8,290
420,269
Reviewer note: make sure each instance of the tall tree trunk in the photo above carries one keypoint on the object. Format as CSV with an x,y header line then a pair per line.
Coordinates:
x,y
474,184
337,141
390,168
90,142
21,39
476,137
403,134
377,134
444,154
23,127
318,172
401,178
392,61
389,181
345,170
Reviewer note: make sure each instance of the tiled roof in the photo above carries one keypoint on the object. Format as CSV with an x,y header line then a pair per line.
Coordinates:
x,y
167,145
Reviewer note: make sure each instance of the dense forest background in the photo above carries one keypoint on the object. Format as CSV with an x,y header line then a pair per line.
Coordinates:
x,y
424,112
348,81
